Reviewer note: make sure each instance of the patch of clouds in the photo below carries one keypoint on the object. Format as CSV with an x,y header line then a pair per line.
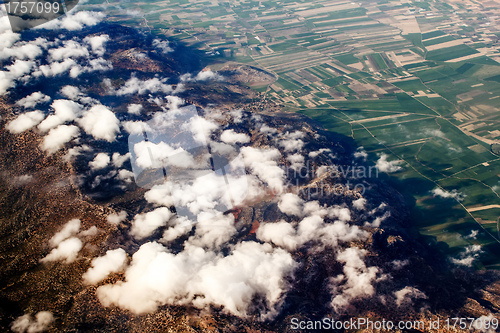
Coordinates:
x,y
25,121
357,281
64,111
33,100
263,164
26,323
67,250
405,296
205,75
74,20
291,204
359,204
135,109
232,137
117,159
70,49
70,229
162,45
100,161
116,219
58,137
361,154
202,278
101,123
467,257
144,225
384,165
136,86
112,262
453,194
318,152
97,43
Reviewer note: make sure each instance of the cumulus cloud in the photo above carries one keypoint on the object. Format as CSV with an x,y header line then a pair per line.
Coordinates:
x,y
162,45
453,194
136,86
58,137
231,137
70,49
134,109
113,261
144,225
100,161
156,277
70,229
291,204
359,204
385,166
262,163
67,250
159,195
467,257
118,159
71,92
406,295
357,280
33,100
74,21
117,218
101,123
97,43
25,121
208,75
26,324
64,110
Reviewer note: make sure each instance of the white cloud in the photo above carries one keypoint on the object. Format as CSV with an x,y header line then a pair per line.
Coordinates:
x,y
386,166
134,109
67,250
71,92
262,163
208,75
406,295
291,204
112,262
118,159
33,100
453,194
70,49
117,218
26,324
58,137
159,195
100,161
231,137
144,225
25,121
467,257
151,155
359,204
357,280
64,110
156,277
163,46
70,229
74,21
101,123
136,86
97,43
